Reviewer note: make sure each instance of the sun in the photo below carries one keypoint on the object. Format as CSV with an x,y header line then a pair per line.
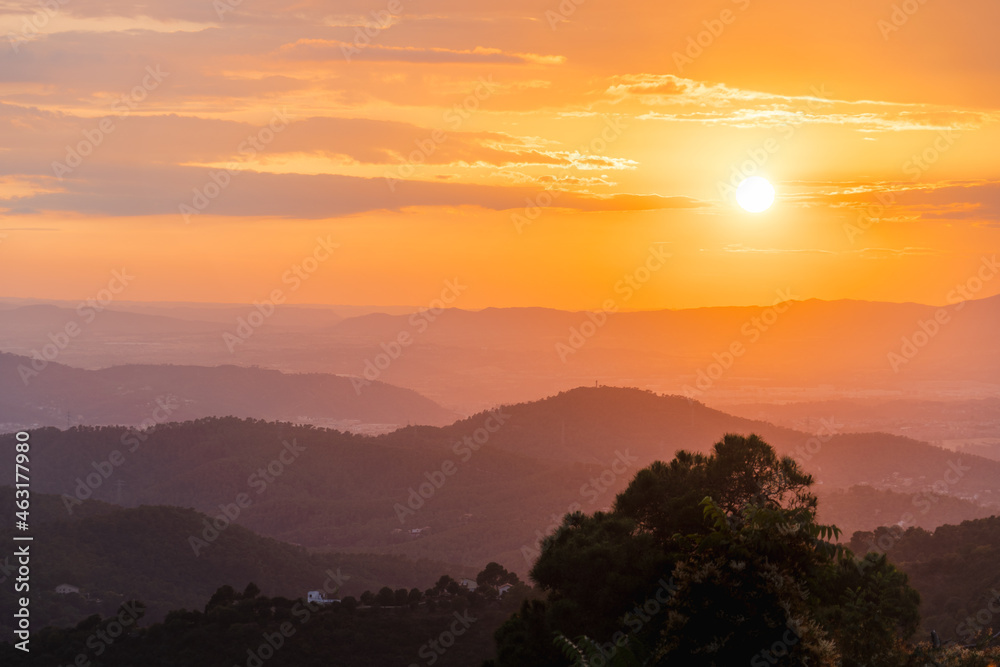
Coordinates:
x,y
755,194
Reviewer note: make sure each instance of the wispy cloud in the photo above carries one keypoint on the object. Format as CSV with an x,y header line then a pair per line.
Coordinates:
x,y
326,49
740,248
895,253
717,103
152,191
974,201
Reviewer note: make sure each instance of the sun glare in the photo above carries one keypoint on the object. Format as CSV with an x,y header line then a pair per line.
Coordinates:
x,y
755,194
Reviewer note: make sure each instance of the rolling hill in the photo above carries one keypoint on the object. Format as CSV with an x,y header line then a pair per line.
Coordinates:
x,y
59,395
484,488
113,554
587,424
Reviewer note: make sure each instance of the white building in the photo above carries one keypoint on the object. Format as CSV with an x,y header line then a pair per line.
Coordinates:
x,y
319,598
469,584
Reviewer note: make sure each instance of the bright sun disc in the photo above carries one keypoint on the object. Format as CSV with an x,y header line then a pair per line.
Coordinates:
x,y
755,194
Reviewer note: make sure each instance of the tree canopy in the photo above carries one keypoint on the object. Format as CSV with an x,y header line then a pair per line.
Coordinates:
x,y
710,560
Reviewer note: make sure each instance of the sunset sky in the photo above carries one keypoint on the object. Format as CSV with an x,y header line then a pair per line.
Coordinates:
x,y
419,135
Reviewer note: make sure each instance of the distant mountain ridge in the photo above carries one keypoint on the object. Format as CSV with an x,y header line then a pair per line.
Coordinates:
x,y
468,360
59,395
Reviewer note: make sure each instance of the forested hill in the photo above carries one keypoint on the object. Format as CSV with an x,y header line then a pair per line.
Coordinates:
x,y
485,487
324,488
147,553
589,424
956,568
244,629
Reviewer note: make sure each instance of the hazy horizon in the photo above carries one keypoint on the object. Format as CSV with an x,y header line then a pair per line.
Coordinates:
x,y
400,308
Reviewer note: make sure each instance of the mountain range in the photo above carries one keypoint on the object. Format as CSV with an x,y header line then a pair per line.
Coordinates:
x,y
470,360
53,394
485,487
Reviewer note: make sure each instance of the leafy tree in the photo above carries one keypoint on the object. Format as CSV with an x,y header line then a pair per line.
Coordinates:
x,y
526,638
442,584
401,596
496,575
709,560
869,607
385,597
594,568
414,596
664,498
742,593
367,598
223,596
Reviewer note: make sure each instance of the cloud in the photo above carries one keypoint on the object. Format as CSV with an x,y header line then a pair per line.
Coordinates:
x,y
864,253
327,49
22,211
718,103
894,253
34,138
356,118
972,201
740,248
149,191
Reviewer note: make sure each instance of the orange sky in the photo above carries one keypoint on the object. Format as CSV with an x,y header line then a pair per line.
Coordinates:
x,y
424,152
